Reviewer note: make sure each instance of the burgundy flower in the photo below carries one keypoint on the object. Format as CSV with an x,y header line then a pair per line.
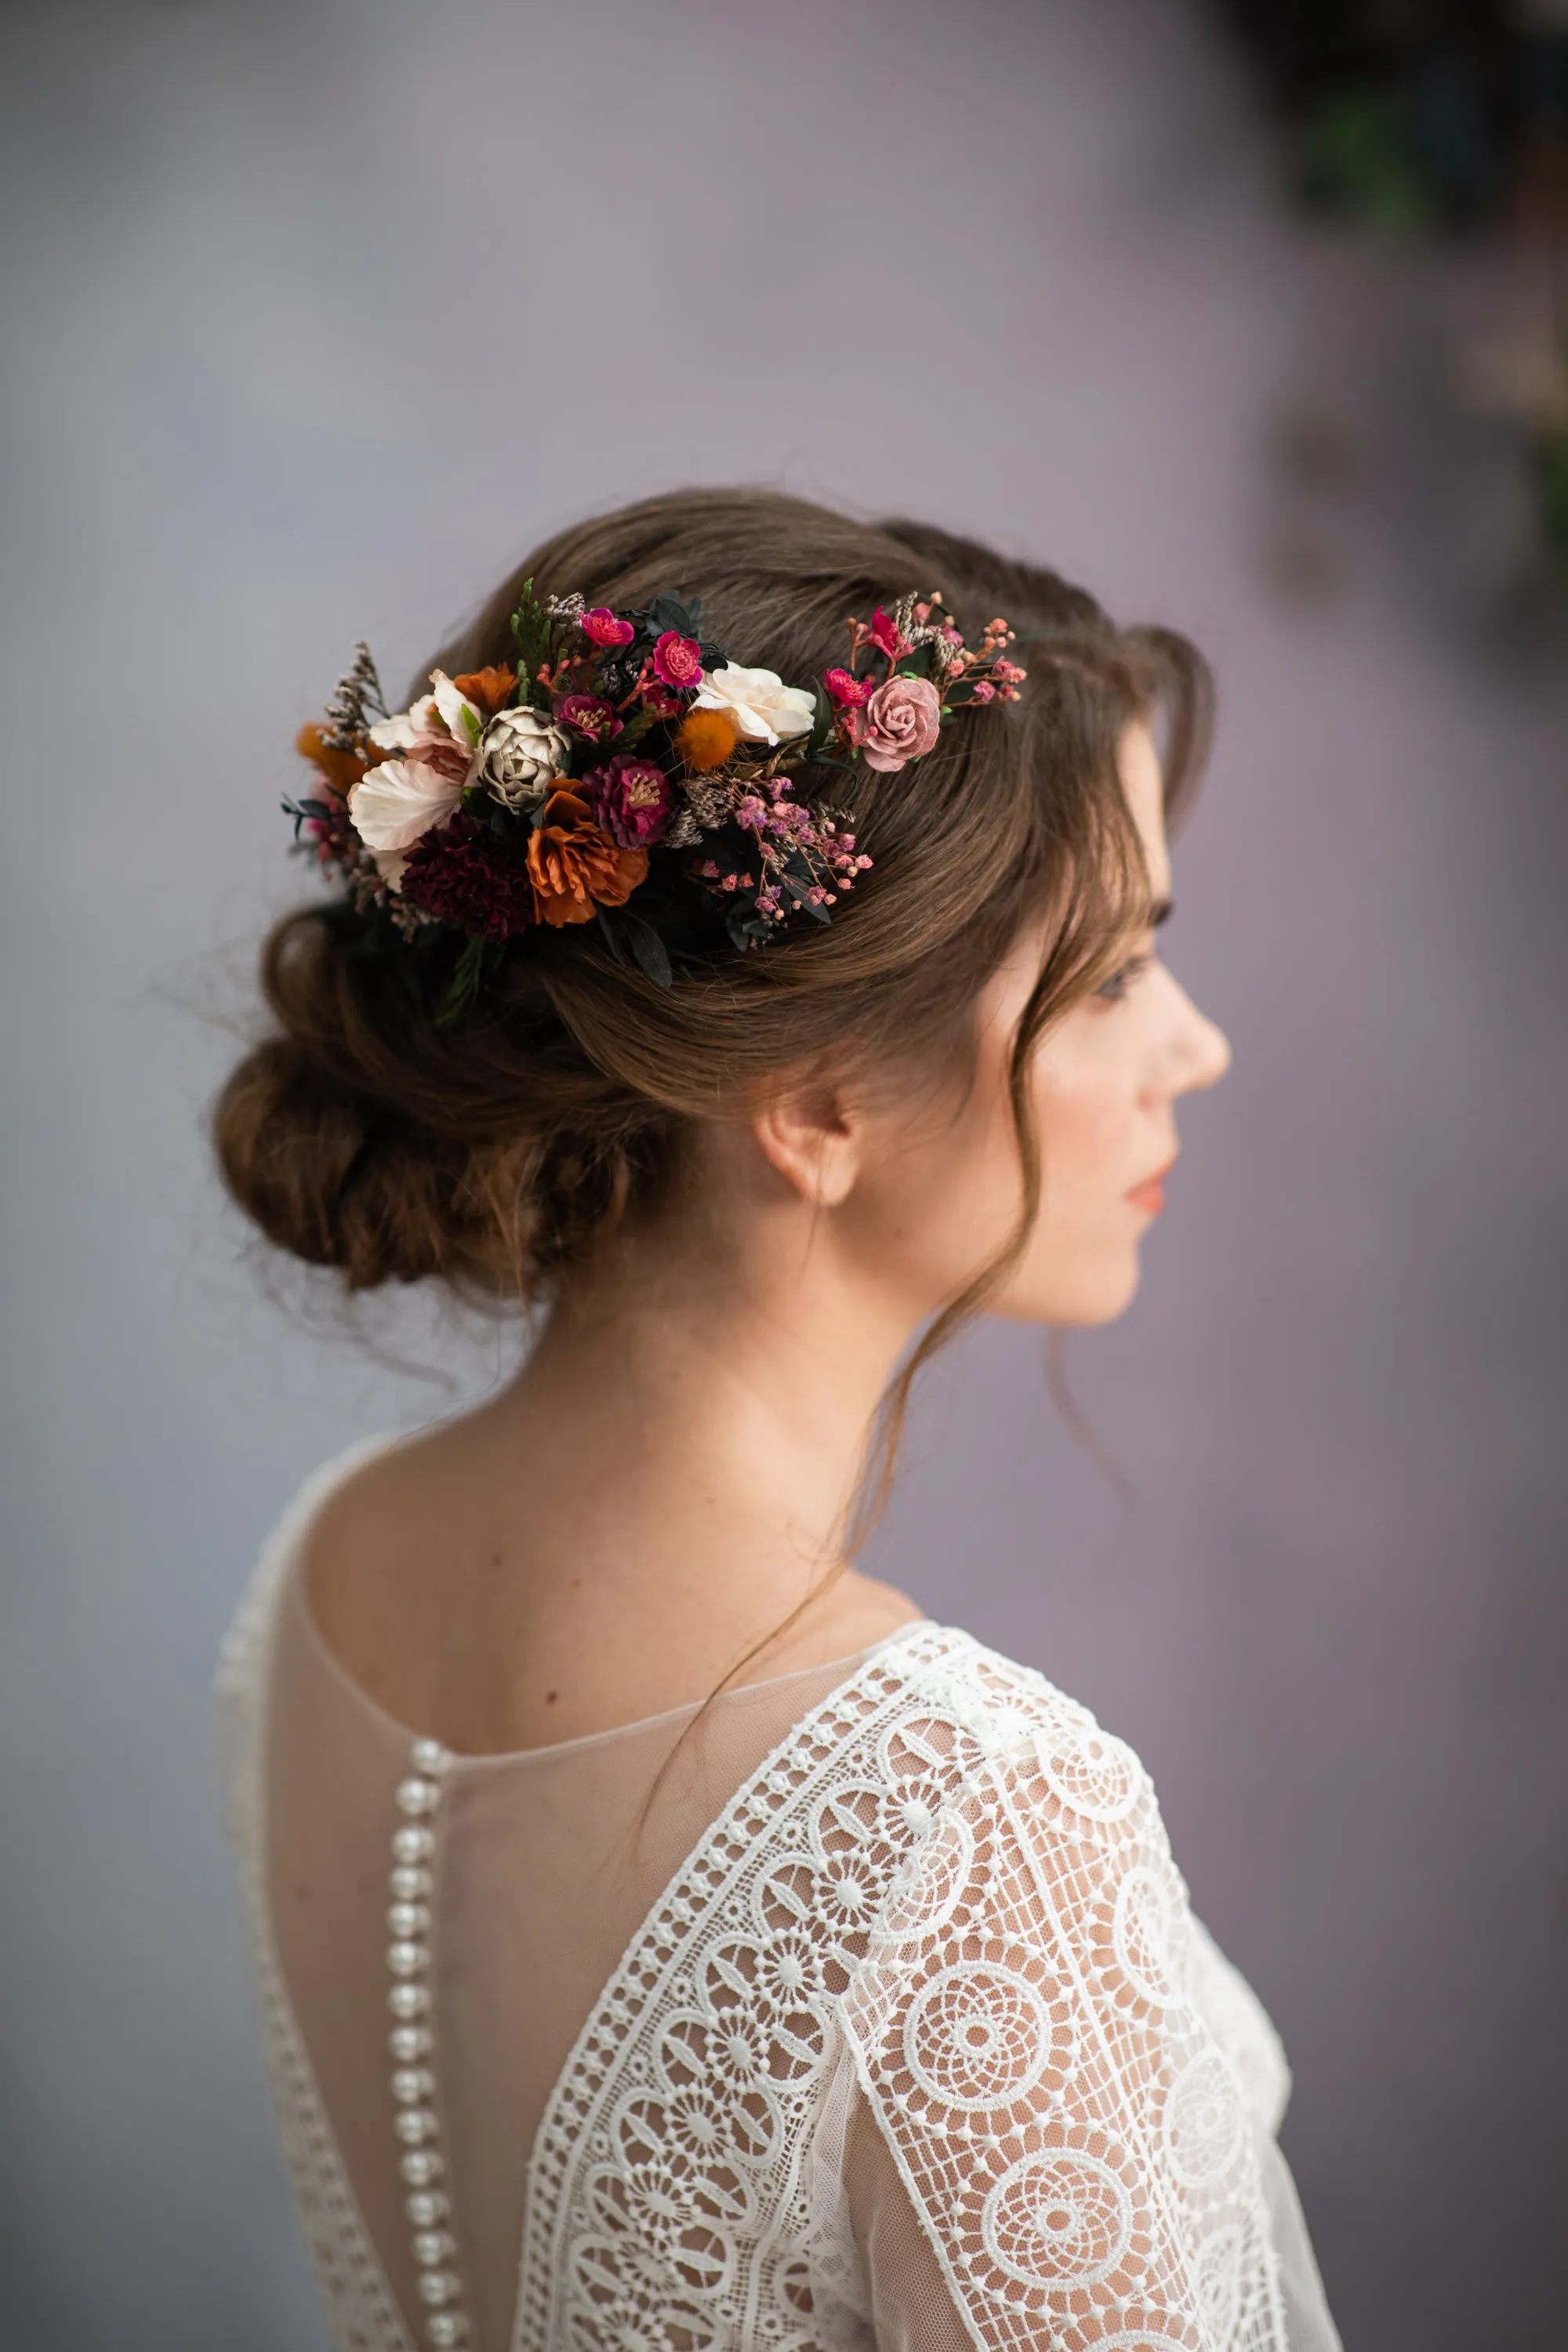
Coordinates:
x,y
846,690
660,700
884,635
465,876
589,715
604,629
900,723
631,799
678,661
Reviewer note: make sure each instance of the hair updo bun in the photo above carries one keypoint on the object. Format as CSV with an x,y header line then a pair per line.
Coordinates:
x,y
493,1156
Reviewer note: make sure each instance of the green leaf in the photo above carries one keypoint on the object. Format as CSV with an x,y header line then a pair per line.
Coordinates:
x,y
611,931
648,948
531,635
464,986
632,733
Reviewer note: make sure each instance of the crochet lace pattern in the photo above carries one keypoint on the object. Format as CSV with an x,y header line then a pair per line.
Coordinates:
x,y
948,1888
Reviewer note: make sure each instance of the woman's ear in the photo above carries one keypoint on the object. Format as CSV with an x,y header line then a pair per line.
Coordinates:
x,y
814,1142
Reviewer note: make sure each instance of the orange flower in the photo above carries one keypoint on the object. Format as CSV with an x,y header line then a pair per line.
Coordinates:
x,y
341,770
487,689
705,739
574,866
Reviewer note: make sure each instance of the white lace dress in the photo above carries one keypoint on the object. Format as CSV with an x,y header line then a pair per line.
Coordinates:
x,y
872,2015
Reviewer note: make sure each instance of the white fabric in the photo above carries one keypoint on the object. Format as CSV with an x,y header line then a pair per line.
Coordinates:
x,y
921,2048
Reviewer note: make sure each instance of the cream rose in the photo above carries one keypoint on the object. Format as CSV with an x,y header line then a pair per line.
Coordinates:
x,y
762,706
520,753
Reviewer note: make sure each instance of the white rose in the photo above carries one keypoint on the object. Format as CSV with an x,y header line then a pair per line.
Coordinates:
x,y
395,806
520,754
760,705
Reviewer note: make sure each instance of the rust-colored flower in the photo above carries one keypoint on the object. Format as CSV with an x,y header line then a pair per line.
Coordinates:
x,y
574,866
341,770
705,739
487,689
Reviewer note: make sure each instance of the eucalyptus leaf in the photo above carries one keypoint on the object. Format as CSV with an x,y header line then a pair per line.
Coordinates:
x,y
648,948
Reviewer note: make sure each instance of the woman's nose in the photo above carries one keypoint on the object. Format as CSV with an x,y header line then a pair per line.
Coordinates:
x,y
1199,1049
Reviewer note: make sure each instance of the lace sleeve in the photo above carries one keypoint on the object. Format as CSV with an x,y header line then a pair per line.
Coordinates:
x,y
1029,2038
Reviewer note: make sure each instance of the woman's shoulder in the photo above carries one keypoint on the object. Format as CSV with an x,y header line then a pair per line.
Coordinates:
x,y
998,1707
284,1545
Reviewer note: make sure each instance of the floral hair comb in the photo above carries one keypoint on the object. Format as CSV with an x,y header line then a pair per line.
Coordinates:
x,y
622,771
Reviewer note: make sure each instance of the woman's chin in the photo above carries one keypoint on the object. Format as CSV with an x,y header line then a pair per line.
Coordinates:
x,y
1097,1294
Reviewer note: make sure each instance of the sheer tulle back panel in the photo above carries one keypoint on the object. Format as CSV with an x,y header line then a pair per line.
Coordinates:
x,y
550,1861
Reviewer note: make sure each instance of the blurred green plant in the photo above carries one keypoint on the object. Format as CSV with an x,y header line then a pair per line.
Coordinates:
x,y
1422,118
1551,475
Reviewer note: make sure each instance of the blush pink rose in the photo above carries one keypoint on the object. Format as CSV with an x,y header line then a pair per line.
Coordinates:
x,y
900,723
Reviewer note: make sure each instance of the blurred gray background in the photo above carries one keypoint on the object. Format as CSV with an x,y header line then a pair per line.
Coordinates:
x,y
317,318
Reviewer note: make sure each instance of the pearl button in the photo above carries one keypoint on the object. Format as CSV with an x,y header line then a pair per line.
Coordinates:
x,y
446,2328
408,2043
414,2125
428,1756
407,1959
420,2165
425,2208
438,2286
411,1885
413,1844
408,2001
433,2246
417,1796
411,2083
408,1918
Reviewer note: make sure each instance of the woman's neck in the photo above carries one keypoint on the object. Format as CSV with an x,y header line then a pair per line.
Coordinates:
x,y
664,1485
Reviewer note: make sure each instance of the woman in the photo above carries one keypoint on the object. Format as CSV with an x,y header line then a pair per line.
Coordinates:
x,y
743,955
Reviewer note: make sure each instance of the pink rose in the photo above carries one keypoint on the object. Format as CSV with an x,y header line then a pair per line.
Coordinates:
x,y
678,661
900,723
885,636
602,627
630,799
844,688
589,715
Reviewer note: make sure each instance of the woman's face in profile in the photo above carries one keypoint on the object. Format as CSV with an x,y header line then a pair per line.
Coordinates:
x,y
944,1187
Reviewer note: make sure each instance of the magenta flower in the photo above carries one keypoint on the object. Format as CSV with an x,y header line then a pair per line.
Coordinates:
x,y
846,690
885,636
589,715
603,627
900,723
678,661
631,799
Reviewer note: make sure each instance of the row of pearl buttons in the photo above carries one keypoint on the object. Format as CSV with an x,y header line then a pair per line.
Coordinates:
x,y
412,2044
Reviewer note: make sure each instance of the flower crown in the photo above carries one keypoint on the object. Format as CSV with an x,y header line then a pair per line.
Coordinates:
x,y
622,771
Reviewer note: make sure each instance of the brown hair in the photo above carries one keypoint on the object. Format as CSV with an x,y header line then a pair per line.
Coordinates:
x,y
496,1156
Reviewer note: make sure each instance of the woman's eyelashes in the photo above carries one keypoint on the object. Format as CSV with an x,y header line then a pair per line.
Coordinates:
x,y
1114,990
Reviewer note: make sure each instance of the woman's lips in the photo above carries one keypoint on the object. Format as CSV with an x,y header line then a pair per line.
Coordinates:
x,y
1150,1196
